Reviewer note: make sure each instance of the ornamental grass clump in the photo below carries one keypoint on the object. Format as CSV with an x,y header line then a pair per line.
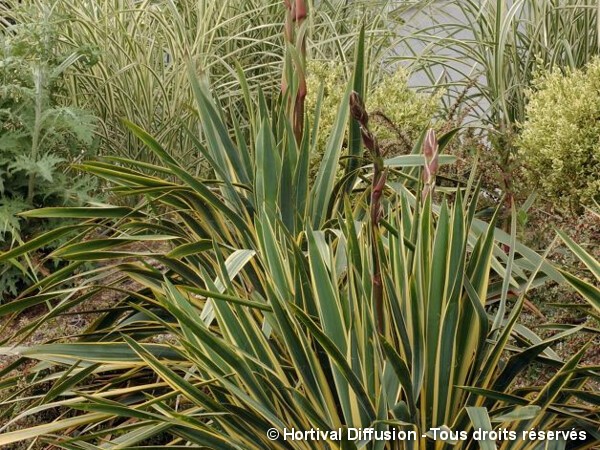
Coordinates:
x,y
142,49
559,143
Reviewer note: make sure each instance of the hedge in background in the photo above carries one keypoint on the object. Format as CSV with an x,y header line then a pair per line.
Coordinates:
x,y
560,139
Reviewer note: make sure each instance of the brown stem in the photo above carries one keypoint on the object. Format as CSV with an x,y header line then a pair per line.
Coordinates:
x,y
299,109
377,186
359,113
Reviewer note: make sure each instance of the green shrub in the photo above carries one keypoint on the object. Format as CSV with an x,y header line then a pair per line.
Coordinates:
x,y
560,139
38,137
408,112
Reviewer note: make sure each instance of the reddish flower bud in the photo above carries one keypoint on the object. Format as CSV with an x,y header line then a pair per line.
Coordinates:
x,y
357,109
430,151
300,13
430,146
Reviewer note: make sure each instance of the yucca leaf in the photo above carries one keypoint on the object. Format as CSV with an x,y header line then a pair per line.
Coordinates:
x,y
592,264
329,306
481,420
219,142
402,371
192,248
588,291
301,180
340,362
40,241
521,360
52,427
359,83
495,395
104,212
322,189
111,352
416,160
192,392
268,170
518,413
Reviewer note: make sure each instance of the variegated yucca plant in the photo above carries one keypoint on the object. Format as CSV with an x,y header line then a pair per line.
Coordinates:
x,y
248,302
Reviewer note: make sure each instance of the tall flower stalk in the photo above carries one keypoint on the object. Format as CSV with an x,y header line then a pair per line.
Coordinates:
x,y
295,36
359,113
